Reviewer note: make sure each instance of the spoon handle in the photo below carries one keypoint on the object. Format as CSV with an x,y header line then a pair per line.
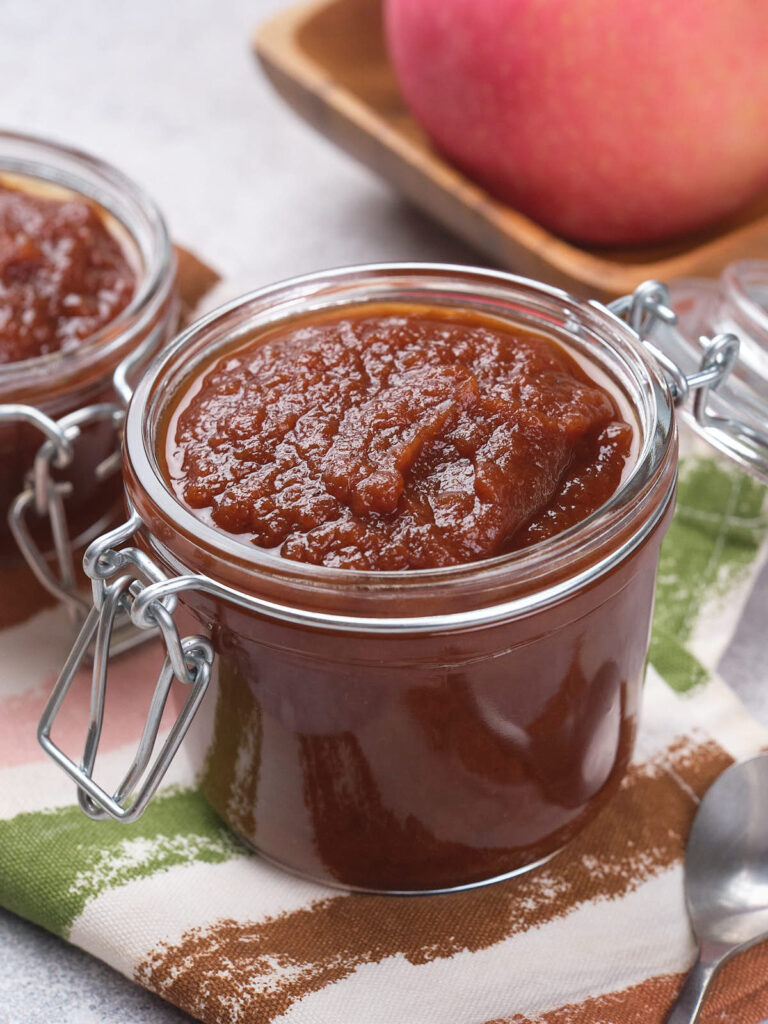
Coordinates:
x,y
690,998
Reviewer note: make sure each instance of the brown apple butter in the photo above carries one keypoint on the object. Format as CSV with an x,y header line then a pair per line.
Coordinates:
x,y
396,437
63,274
86,277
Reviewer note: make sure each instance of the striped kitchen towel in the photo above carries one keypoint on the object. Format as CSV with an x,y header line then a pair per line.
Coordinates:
x,y
597,935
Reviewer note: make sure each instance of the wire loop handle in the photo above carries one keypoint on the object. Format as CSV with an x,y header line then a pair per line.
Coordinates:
x,y
117,584
649,304
44,496
648,307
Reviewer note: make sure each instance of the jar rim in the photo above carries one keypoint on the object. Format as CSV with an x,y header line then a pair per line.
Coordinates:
x,y
607,527
74,170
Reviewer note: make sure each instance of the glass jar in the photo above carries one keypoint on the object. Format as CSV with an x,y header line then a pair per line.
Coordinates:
x,y
398,732
67,398
736,302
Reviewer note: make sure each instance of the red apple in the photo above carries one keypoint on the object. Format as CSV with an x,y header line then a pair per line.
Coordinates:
x,y
608,121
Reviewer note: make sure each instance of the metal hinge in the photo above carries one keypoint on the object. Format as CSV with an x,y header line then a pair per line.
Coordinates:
x,y
119,578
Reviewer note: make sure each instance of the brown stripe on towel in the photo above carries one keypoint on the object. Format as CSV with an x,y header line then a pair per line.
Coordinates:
x,y
234,971
739,996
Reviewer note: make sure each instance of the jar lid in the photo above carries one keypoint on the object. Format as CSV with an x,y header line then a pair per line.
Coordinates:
x,y
730,410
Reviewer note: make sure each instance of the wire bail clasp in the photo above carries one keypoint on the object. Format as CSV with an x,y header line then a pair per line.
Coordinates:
x,y
45,496
647,310
648,306
117,583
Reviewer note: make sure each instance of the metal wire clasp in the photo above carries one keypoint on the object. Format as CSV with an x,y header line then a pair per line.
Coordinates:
x,y
649,307
45,496
119,577
649,304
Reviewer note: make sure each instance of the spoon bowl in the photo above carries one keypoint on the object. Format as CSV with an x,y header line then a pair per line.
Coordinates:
x,y
726,877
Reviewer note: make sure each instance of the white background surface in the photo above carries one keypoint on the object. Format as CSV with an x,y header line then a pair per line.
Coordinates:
x,y
169,91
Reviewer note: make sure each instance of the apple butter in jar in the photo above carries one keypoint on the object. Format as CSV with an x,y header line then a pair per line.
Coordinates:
x,y
394,438
63,273
86,278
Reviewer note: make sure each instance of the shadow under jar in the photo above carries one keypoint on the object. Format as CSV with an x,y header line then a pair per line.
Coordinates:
x,y
419,730
62,392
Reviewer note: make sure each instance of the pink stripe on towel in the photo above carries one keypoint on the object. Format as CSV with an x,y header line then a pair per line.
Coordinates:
x,y
129,690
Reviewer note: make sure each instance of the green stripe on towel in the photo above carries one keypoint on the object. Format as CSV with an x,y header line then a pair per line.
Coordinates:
x,y
54,862
719,525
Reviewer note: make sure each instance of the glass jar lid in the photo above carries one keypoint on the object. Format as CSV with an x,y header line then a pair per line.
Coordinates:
x,y
728,314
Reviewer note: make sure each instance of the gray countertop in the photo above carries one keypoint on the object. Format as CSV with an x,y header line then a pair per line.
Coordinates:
x,y
46,981
171,94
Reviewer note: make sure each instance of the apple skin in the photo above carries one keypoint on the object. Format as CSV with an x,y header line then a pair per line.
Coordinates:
x,y
608,121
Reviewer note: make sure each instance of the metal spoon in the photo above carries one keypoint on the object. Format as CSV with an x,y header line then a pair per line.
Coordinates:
x,y
726,877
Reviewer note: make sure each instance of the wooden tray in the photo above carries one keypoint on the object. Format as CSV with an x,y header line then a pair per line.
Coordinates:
x,y
327,59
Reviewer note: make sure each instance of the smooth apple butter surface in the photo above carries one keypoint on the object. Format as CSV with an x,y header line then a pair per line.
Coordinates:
x,y
63,274
396,437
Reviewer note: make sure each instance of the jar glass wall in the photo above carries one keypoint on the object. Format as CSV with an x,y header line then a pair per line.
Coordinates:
x,y
429,729
61,382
